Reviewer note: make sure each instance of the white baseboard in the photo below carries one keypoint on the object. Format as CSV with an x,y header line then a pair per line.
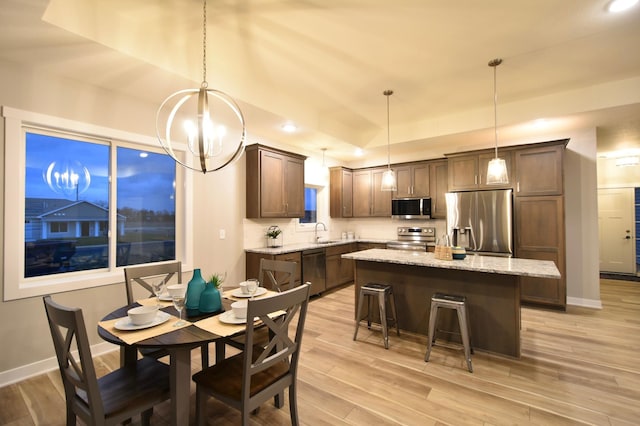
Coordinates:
x,y
585,303
40,367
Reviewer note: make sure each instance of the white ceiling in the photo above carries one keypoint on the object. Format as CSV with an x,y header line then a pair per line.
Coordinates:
x,y
324,64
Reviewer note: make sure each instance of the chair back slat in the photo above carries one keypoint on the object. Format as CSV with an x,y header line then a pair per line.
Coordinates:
x,y
280,275
141,274
69,335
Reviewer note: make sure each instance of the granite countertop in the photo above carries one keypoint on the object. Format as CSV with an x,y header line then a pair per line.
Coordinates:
x,y
489,264
289,248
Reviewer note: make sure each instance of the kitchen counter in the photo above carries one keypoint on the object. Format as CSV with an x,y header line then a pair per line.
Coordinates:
x,y
490,284
488,264
289,248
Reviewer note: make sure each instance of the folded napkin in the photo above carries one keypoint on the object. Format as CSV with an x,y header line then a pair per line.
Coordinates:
x,y
152,301
228,295
215,326
134,336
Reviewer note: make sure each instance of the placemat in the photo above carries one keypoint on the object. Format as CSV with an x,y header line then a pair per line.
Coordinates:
x,y
215,326
134,336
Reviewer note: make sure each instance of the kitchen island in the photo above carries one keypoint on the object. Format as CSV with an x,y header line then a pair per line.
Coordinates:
x,y
491,285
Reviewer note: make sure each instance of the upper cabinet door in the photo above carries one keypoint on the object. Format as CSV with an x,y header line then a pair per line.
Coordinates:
x,y
340,192
294,187
272,195
539,171
362,193
463,173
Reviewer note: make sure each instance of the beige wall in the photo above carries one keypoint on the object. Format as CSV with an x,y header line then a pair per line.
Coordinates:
x,y
219,203
26,342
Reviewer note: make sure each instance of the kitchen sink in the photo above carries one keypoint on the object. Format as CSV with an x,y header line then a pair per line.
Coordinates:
x,y
328,241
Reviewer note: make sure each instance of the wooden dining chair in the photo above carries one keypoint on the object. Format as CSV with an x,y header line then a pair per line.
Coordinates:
x,y
141,275
113,398
279,275
246,380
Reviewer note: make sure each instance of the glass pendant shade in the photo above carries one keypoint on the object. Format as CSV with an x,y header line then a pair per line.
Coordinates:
x,y
497,172
497,168
389,181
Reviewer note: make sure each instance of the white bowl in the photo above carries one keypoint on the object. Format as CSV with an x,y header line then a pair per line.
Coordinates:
x,y
239,309
177,289
142,314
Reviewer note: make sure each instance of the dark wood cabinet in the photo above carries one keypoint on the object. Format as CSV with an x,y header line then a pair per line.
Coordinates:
x,y
438,183
338,270
340,192
412,180
469,172
368,199
539,233
539,170
275,183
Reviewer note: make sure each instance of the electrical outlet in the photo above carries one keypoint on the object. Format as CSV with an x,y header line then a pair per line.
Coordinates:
x,y
223,234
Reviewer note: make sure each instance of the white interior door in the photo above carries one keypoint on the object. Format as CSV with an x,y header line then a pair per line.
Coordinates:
x,y
616,227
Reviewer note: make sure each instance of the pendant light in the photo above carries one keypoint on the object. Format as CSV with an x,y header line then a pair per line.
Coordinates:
x,y
388,177
497,168
211,142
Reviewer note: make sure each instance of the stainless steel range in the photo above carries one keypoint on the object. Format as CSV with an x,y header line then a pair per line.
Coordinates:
x,y
413,238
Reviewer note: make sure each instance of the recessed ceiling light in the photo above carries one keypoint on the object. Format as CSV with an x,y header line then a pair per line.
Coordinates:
x,y
289,127
621,5
144,155
358,152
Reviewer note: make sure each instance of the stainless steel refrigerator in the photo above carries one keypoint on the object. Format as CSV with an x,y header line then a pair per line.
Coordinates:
x,y
481,221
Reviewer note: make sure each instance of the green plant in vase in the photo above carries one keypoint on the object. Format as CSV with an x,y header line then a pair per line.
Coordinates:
x,y
272,236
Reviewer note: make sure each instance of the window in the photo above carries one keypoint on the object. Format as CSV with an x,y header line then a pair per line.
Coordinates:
x,y
310,205
88,204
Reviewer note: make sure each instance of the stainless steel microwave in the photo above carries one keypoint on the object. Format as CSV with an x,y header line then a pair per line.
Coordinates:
x,y
411,208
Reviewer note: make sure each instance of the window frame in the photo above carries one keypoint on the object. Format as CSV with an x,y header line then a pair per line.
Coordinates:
x,y
16,121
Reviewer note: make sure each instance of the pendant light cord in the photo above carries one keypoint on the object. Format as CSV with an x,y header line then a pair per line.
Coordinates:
x,y
494,63
204,44
388,93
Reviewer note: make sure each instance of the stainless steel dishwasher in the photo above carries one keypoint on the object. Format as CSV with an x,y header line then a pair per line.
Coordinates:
x,y
313,269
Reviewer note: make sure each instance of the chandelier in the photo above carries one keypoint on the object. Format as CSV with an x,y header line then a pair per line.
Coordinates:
x,y
211,142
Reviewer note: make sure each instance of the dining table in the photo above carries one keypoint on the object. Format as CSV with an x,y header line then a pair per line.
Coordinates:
x,y
198,329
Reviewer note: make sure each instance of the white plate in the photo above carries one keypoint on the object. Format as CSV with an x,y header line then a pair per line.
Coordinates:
x,y
229,318
126,324
166,297
238,292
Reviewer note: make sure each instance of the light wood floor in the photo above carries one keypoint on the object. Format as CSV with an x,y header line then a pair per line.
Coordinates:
x,y
578,367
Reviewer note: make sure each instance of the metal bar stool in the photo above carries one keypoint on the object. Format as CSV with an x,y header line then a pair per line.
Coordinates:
x,y
458,303
383,292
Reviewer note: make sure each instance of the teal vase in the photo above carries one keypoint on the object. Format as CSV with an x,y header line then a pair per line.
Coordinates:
x,y
194,291
210,299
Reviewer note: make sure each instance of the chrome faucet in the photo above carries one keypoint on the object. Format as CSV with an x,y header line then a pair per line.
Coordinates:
x,y
323,225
